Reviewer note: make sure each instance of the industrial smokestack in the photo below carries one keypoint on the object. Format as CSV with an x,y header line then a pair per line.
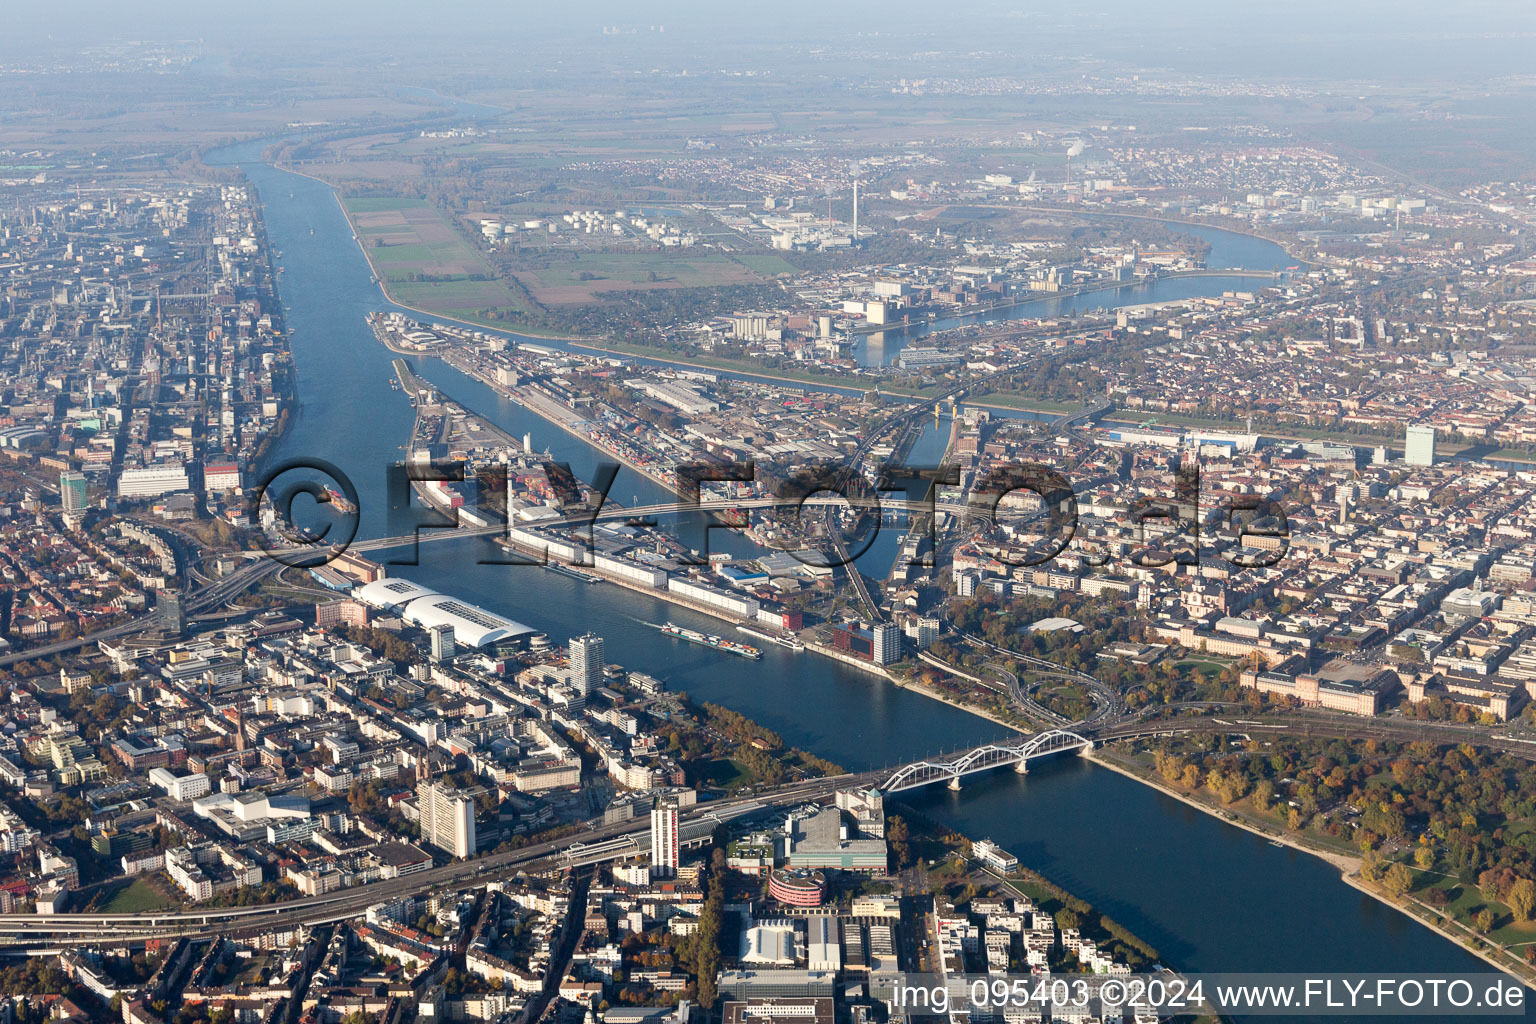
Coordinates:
x,y
853,171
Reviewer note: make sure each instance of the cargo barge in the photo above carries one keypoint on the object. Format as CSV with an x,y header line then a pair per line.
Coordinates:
x,y
693,636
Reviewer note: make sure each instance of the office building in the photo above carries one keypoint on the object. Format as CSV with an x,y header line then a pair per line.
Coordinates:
x,y
798,888
820,840
173,617
665,844
1421,446
152,481
447,818
73,491
221,476
181,788
886,638
586,657
994,856
442,642
853,640
867,809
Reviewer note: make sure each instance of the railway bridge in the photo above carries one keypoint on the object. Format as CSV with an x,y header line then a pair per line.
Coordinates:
x,y
1017,753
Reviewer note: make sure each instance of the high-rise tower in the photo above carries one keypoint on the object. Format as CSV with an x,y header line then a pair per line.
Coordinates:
x,y
665,844
73,491
586,657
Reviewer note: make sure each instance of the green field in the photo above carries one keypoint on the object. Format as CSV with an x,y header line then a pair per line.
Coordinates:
x,y
637,268
460,297
416,253
137,896
725,773
407,238
1512,454
1464,902
585,277
425,262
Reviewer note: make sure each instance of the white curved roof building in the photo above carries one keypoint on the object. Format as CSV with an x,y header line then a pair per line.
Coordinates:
x,y
472,625
391,594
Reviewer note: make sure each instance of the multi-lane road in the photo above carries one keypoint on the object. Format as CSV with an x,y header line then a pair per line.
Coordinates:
x,y
30,933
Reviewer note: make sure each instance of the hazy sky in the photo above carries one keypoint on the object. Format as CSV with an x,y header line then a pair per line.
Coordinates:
x,y
1352,38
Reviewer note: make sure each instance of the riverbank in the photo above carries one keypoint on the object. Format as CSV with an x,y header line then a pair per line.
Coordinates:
x,y
932,694
1493,956
819,649
913,685
1348,866
535,404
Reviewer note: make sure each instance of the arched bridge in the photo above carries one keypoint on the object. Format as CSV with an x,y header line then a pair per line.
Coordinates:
x,y
993,755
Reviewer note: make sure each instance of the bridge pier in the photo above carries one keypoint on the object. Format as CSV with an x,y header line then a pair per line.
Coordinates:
x,y
1086,748
954,783
1022,766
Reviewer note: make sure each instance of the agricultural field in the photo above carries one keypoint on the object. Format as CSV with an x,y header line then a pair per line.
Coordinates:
x,y
422,261
584,278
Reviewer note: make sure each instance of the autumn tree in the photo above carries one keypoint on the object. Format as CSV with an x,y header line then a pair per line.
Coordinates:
x,y
898,839
1522,898
1384,819
1398,880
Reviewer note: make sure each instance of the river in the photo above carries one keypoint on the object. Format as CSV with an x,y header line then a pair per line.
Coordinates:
x,y
1229,250
1208,896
